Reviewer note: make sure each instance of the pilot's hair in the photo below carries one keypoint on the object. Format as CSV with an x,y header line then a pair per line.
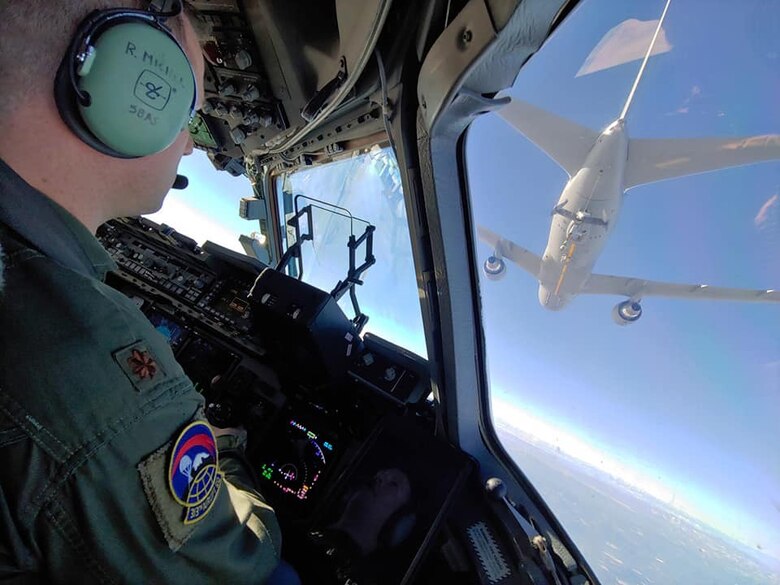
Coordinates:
x,y
34,35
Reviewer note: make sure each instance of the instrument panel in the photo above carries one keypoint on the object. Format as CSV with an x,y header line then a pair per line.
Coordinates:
x,y
211,288
297,466
280,358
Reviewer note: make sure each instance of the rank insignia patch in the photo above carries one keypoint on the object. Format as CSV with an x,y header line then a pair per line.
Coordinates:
x,y
140,366
193,476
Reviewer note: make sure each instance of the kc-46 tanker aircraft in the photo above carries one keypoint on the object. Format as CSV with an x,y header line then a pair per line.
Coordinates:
x,y
602,167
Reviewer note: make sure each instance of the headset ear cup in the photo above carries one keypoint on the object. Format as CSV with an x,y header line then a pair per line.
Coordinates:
x,y
68,107
141,88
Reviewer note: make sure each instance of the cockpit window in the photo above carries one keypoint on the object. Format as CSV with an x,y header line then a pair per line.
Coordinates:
x,y
365,189
630,286
208,208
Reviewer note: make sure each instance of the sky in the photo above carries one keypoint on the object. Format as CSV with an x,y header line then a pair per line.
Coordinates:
x,y
685,402
682,405
208,208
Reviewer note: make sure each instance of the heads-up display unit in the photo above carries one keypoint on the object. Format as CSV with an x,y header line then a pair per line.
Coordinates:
x,y
300,456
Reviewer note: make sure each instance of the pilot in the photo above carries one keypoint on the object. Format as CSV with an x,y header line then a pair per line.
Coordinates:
x,y
109,472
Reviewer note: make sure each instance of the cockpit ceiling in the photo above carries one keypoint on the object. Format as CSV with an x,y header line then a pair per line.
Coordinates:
x,y
276,70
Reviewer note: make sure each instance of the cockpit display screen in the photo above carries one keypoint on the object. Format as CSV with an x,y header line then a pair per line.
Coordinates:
x,y
172,331
303,456
203,360
231,305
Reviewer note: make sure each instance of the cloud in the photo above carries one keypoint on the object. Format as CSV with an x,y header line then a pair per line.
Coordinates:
x,y
761,141
686,104
624,43
763,213
539,431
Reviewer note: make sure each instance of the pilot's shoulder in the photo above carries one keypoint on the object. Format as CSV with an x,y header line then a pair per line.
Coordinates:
x,y
79,358
48,306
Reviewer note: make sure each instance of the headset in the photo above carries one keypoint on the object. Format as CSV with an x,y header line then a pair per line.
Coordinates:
x,y
125,86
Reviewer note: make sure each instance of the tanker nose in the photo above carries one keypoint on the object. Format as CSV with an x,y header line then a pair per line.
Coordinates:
x,y
550,300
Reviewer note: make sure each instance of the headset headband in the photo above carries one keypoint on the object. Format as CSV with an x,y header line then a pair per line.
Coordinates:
x,y
93,25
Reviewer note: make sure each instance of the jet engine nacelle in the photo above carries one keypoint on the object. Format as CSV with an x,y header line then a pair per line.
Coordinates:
x,y
626,312
494,268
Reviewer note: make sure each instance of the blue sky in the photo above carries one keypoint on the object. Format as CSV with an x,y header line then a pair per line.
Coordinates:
x,y
687,399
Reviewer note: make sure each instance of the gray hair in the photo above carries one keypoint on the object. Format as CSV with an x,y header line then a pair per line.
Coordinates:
x,y
34,35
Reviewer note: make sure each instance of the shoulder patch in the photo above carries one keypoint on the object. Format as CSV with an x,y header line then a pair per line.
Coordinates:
x,y
193,475
166,510
140,366
182,481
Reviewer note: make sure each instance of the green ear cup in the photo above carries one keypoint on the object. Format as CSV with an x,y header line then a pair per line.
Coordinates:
x,y
141,88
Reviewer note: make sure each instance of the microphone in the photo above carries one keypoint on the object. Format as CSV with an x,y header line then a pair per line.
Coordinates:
x,y
180,182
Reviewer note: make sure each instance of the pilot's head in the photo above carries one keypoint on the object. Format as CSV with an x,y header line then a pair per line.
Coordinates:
x,y
39,142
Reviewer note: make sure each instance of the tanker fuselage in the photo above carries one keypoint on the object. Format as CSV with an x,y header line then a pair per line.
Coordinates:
x,y
583,218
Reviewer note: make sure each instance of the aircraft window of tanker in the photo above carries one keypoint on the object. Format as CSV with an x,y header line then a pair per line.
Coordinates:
x,y
628,244
368,184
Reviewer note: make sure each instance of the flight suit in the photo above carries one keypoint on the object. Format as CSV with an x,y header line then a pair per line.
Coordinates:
x,y
98,423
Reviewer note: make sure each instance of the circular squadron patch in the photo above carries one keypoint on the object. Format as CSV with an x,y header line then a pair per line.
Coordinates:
x,y
193,475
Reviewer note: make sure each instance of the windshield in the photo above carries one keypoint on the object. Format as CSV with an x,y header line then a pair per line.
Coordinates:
x,y
367,186
208,208
654,442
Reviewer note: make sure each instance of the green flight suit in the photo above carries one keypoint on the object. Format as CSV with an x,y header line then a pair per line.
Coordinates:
x,y
91,404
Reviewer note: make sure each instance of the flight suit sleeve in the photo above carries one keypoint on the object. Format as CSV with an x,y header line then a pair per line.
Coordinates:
x,y
240,478
234,464
114,475
140,526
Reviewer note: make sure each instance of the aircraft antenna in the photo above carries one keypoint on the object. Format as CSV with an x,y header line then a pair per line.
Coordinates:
x,y
644,62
